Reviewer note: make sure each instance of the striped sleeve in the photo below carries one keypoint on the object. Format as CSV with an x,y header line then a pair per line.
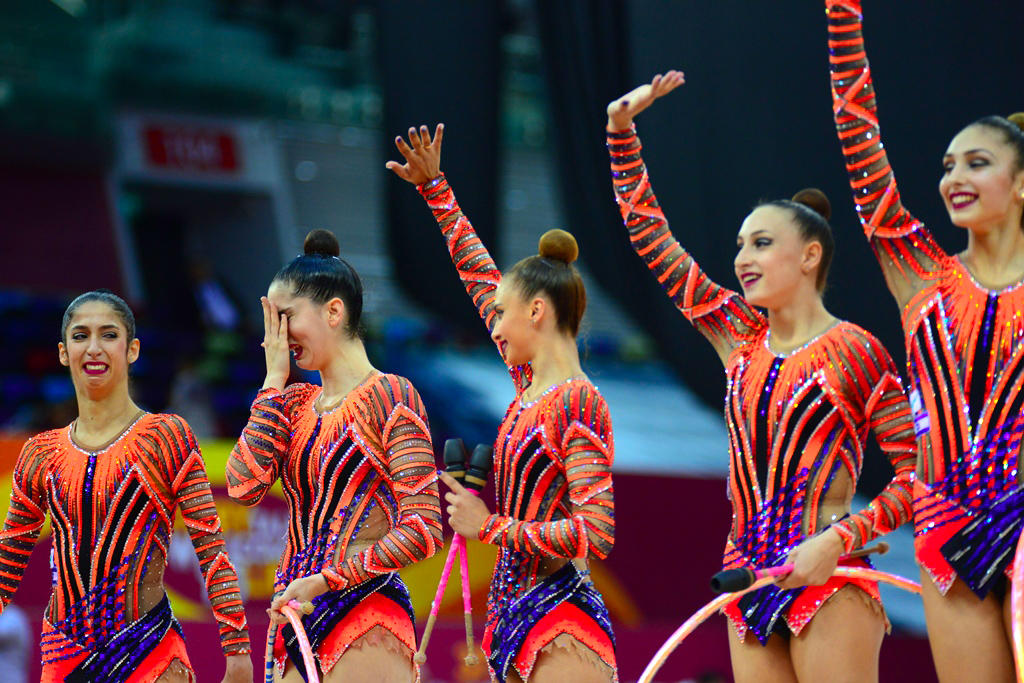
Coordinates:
x,y
587,452
192,494
25,518
476,268
890,420
415,533
905,249
255,461
720,314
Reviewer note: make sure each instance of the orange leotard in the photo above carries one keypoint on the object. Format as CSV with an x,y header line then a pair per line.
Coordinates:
x,y
965,350
361,487
112,513
798,422
552,470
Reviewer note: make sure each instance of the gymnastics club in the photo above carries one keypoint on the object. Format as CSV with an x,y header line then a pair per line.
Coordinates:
x,y
480,464
474,479
455,464
722,600
291,611
1017,608
732,580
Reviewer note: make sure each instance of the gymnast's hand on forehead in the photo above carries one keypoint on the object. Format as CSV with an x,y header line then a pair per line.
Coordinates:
x,y
275,345
622,111
466,512
422,155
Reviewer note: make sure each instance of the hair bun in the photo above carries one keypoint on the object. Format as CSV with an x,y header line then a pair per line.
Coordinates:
x,y
1017,119
815,200
321,242
558,245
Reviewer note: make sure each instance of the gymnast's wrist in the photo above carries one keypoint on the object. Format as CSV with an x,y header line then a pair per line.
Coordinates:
x,y
485,529
620,128
431,185
842,537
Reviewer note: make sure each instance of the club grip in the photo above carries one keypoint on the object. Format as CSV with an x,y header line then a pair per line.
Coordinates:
x,y
732,580
479,467
455,457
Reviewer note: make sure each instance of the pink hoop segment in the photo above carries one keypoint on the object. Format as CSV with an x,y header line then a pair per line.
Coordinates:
x,y
721,601
1017,608
292,610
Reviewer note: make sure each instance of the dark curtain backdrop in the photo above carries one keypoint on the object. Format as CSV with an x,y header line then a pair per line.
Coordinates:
x,y
753,122
440,62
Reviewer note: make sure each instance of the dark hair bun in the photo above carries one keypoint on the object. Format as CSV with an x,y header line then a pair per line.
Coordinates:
x,y
1017,119
558,245
321,242
815,200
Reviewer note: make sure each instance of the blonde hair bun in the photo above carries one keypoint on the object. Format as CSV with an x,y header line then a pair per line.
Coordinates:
x,y
558,245
1017,119
815,200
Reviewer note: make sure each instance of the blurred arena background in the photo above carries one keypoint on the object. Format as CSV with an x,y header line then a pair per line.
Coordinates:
x,y
177,151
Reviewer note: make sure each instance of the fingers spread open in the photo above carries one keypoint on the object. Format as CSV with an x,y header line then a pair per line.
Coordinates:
x,y
403,148
414,138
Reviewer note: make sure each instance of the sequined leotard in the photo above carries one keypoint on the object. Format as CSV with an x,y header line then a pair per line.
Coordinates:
x,y
965,351
361,487
798,422
552,469
112,513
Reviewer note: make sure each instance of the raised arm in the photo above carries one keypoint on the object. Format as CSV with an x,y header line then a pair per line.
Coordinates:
x,y
720,314
891,421
25,518
191,490
255,461
415,532
582,422
474,264
906,250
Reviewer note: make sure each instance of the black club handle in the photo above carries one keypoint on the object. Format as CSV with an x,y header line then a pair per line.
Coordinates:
x,y
455,457
479,467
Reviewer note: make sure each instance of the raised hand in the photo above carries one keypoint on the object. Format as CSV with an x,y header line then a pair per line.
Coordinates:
x,y
275,345
422,155
622,111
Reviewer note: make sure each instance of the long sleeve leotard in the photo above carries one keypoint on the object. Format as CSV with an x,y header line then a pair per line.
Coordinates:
x,y
361,487
112,513
360,475
797,422
552,468
965,348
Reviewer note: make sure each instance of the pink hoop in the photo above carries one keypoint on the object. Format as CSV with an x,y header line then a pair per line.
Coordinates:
x,y
292,610
722,600
1017,608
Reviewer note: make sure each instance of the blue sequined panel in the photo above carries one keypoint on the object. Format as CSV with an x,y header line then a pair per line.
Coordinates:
x,y
985,486
982,550
119,658
765,542
514,621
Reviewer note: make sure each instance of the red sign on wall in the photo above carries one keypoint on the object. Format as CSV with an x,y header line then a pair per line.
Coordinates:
x,y
185,148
